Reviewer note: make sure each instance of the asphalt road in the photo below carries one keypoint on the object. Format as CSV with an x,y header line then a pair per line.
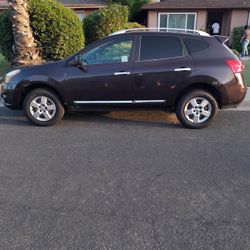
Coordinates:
x,y
125,181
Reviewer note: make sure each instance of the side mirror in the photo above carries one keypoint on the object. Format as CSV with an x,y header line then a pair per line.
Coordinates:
x,y
78,62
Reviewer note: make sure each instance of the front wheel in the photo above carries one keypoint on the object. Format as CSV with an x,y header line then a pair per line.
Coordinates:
x,y
196,109
43,108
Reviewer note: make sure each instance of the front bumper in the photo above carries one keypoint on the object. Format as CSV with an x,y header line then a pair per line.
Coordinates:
x,y
11,97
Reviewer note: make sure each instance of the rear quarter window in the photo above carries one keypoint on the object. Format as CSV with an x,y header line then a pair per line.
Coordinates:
x,y
160,47
196,45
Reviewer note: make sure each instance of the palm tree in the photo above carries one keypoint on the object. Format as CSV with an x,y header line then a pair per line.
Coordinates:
x,y
24,48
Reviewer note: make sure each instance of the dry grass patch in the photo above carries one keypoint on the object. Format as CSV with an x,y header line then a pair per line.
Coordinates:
x,y
154,116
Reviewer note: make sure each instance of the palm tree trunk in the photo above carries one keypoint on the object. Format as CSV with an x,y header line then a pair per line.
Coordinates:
x,y
25,49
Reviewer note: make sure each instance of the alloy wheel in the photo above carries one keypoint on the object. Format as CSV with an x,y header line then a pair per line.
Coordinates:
x,y
198,110
42,108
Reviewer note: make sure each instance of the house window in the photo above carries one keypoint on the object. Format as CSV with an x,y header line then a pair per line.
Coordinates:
x,y
177,20
81,15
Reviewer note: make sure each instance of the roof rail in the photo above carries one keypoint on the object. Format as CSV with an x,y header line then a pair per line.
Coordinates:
x,y
173,30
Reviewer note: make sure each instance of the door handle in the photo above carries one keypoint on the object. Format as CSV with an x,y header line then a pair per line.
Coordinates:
x,y
182,69
122,73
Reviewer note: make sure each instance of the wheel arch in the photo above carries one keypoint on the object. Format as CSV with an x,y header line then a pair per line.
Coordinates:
x,y
202,86
42,85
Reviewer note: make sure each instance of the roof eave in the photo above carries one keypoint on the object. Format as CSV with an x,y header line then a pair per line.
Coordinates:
x,y
72,6
192,8
79,6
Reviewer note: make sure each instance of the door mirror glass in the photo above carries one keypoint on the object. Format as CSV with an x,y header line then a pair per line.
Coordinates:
x,y
79,62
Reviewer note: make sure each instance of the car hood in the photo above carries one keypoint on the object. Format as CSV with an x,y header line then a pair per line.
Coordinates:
x,y
41,66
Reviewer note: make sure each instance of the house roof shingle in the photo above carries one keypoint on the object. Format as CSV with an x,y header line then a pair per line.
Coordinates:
x,y
3,4
86,3
70,3
198,4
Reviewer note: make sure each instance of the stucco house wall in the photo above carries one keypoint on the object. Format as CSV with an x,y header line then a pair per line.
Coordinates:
x,y
239,18
232,13
201,20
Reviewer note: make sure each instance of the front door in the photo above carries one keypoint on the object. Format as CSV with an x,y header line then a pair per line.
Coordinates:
x,y
106,78
163,64
214,22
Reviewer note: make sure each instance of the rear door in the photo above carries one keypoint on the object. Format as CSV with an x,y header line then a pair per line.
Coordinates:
x,y
162,64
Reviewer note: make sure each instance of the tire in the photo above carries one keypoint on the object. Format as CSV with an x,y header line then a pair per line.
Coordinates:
x,y
196,109
43,107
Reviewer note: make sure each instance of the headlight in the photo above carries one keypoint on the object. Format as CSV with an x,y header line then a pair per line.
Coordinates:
x,y
11,74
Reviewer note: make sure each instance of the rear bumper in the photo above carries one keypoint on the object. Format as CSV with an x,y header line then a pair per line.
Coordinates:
x,y
235,92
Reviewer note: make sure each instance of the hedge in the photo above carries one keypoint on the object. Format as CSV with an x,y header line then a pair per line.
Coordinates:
x,y
133,25
105,21
134,6
236,37
57,30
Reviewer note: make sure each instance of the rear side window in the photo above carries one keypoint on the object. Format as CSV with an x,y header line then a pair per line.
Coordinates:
x,y
195,45
157,47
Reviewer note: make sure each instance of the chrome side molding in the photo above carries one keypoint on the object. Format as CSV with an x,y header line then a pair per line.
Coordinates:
x,y
121,73
120,102
182,69
103,102
149,101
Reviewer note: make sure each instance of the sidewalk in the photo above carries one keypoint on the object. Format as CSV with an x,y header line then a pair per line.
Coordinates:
x,y
246,58
244,106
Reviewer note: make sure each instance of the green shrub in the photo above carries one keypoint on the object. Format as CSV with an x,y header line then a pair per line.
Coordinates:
x,y
57,29
236,37
133,25
134,7
6,35
105,21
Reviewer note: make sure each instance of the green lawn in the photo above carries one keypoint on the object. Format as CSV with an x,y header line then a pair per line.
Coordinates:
x,y
4,66
247,73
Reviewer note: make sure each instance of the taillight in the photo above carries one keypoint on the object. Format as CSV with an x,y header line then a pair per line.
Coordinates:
x,y
236,66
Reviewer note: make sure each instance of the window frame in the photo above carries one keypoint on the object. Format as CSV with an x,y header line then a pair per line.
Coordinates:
x,y
112,40
177,13
81,15
185,52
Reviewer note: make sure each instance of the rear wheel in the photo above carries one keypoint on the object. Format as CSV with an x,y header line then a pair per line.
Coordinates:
x,y
196,109
43,108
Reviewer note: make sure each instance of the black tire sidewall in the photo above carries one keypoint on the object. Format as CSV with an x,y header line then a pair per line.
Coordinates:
x,y
183,101
43,92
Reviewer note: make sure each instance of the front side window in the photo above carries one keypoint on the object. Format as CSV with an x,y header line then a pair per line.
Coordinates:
x,y
159,47
177,20
118,51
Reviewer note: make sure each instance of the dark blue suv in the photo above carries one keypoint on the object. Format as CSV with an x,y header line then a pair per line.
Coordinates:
x,y
192,74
